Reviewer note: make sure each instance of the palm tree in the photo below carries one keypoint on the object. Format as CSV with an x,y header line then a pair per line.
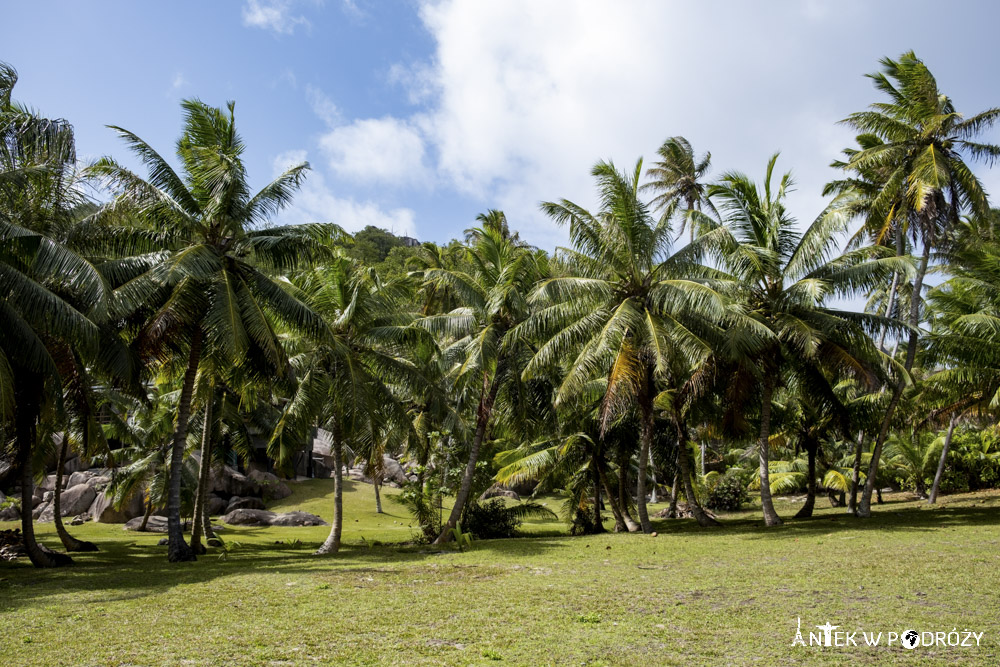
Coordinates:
x,y
190,265
782,279
625,311
51,298
481,345
923,143
353,377
677,178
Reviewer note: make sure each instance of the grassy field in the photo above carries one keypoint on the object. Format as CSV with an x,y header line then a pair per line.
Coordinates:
x,y
689,596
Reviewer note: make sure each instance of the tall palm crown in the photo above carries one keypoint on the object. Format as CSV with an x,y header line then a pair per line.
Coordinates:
x,y
626,308
50,298
353,379
676,176
922,145
783,279
190,262
481,345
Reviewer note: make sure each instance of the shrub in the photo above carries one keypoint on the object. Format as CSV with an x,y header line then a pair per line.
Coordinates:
x,y
494,519
729,493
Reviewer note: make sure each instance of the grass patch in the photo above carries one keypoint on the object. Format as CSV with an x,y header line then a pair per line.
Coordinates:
x,y
689,596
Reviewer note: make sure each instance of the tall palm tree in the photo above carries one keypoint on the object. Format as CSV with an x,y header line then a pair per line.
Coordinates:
x,y
485,353
627,307
51,298
925,142
783,278
677,177
190,262
353,378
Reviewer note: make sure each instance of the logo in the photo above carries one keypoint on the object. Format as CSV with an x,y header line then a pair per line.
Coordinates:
x,y
910,639
831,636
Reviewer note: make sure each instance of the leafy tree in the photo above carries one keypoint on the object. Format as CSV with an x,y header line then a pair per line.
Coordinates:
x,y
190,262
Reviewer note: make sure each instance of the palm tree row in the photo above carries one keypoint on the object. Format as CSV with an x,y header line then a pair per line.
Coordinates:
x,y
589,370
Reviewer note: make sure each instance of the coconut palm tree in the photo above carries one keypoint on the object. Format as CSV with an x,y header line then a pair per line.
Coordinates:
x,y
783,278
481,347
626,309
923,142
353,378
51,297
190,262
677,177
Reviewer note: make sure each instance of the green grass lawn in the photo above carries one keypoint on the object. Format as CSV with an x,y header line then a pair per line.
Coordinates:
x,y
689,596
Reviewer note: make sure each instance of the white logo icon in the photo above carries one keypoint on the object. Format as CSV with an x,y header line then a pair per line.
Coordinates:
x,y
910,639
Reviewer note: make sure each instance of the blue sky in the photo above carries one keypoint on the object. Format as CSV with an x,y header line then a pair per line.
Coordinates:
x,y
418,115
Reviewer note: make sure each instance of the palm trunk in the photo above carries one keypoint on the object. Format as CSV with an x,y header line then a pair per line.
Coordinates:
x,y
852,506
332,543
675,491
488,395
623,498
596,481
377,483
771,517
68,541
685,474
646,410
198,525
865,508
807,509
27,394
944,457
145,517
177,549
613,502
653,498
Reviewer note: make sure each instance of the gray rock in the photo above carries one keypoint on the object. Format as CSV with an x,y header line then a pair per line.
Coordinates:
x,y
77,478
80,519
48,496
272,488
216,505
49,483
392,471
37,512
497,491
249,518
103,512
214,542
99,481
72,465
76,499
10,514
248,503
164,541
37,500
226,482
297,519
156,524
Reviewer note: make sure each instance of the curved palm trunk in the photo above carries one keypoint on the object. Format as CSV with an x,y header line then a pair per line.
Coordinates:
x,y
865,507
807,508
623,499
685,474
489,395
27,392
68,541
177,549
613,502
675,490
596,481
198,524
646,410
332,543
944,457
377,483
771,517
852,506
145,517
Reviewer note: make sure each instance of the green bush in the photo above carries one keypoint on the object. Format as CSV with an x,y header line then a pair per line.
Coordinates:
x,y
494,519
729,493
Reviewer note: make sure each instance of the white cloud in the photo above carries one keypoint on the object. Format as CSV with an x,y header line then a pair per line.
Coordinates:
x,y
315,202
377,150
179,81
322,105
275,15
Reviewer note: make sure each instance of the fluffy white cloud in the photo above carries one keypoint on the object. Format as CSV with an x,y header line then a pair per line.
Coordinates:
x,y
379,150
315,202
275,15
